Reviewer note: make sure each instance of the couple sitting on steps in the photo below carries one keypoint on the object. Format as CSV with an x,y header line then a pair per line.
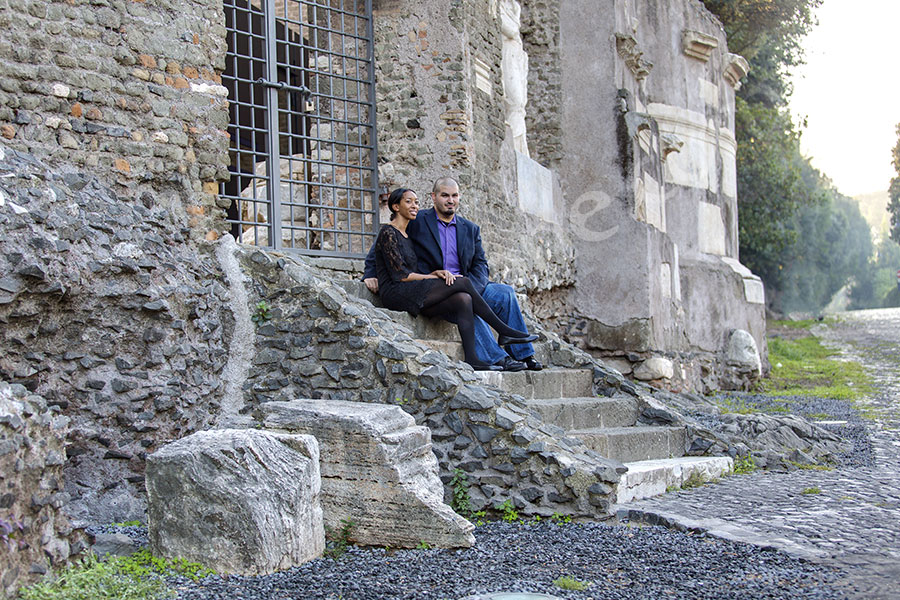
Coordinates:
x,y
434,265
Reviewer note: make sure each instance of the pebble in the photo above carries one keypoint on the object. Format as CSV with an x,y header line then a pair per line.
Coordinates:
x,y
618,562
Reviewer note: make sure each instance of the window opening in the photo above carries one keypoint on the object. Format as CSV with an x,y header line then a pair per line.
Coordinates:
x,y
301,93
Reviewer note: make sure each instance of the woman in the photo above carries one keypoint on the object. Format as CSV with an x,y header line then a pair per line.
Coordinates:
x,y
437,294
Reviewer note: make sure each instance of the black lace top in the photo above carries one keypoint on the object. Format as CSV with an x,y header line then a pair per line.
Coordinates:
x,y
395,259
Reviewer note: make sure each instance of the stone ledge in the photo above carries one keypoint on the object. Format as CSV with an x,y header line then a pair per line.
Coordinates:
x,y
648,478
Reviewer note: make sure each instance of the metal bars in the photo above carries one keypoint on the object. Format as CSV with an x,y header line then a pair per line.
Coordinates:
x,y
300,79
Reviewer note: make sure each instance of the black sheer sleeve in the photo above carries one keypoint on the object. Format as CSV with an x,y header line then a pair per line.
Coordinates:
x,y
388,246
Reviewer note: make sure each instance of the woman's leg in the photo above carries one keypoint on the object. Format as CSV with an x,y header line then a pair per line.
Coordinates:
x,y
439,293
458,307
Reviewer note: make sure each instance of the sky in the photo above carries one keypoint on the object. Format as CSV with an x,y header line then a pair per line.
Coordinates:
x,y
849,92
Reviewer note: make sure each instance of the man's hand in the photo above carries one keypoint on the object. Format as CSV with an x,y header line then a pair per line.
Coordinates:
x,y
372,284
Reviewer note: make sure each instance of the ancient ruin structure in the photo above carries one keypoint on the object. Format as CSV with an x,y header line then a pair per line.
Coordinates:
x,y
135,136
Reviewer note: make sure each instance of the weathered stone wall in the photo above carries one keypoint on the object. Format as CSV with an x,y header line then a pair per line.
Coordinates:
x,y
34,533
649,182
139,340
540,36
107,315
127,90
440,112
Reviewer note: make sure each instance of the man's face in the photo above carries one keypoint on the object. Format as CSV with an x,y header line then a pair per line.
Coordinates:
x,y
446,201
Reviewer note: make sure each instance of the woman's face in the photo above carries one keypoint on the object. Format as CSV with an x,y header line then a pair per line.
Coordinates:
x,y
408,207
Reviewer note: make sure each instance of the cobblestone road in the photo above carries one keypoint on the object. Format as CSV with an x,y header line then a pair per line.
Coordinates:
x,y
846,517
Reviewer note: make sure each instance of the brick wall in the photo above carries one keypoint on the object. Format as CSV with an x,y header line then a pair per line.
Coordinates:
x,y
127,90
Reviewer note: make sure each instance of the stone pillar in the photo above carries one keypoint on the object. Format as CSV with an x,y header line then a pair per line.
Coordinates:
x,y
514,68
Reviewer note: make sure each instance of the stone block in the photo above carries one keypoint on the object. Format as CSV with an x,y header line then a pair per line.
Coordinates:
x,y
634,443
741,352
535,188
549,383
238,501
656,367
585,413
650,478
378,471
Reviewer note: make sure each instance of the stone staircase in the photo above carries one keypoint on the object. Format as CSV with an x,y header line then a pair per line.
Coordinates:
x,y
564,398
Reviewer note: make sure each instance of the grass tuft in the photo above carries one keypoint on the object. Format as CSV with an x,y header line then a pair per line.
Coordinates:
x,y
567,582
117,578
804,367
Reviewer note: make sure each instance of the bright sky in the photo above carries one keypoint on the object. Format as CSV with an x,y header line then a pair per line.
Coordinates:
x,y
849,90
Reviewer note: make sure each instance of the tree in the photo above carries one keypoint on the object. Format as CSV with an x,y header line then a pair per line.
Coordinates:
x,y
796,231
894,192
768,34
875,286
770,186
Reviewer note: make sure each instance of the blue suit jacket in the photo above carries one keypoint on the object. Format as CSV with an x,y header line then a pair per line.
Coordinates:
x,y
423,232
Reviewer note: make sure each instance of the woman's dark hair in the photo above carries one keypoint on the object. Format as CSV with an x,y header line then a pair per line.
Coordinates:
x,y
395,198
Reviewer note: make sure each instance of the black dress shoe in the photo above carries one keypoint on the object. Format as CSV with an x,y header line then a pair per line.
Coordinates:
x,y
532,364
505,340
512,365
485,367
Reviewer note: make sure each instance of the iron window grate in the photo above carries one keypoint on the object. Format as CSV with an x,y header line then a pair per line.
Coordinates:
x,y
300,82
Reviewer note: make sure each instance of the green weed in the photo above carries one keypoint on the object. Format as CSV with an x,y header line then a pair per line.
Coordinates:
x,y
135,577
423,545
567,582
560,518
337,543
461,501
262,312
811,490
142,564
694,480
510,514
134,523
809,467
744,465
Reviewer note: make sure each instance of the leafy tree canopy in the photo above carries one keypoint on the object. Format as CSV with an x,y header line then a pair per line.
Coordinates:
x,y
894,192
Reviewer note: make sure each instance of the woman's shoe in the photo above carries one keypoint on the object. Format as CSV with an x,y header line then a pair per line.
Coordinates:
x,y
505,340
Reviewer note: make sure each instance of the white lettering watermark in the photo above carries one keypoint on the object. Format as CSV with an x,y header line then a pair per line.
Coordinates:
x,y
586,206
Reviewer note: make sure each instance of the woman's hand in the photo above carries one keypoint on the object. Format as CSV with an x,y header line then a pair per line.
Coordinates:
x,y
446,275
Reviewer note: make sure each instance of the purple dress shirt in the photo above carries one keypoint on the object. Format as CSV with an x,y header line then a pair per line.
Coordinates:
x,y
447,235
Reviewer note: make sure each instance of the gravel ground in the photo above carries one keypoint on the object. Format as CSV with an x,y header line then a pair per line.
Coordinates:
x,y
620,562
137,533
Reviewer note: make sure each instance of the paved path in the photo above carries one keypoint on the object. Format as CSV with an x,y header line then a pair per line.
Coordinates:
x,y
854,520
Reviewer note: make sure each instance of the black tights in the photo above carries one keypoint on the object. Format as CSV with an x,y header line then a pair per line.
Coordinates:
x,y
459,303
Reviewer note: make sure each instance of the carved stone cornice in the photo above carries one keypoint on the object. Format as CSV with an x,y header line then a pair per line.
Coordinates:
x,y
669,143
736,68
698,45
627,47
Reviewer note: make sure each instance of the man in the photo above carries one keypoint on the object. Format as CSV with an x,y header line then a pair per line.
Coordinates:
x,y
444,240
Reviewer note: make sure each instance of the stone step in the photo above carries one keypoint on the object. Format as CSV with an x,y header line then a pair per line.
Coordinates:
x,y
549,383
454,349
629,444
648,478
587,413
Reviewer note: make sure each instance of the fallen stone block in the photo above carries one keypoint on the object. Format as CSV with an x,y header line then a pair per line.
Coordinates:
x,y
378,471
238,501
